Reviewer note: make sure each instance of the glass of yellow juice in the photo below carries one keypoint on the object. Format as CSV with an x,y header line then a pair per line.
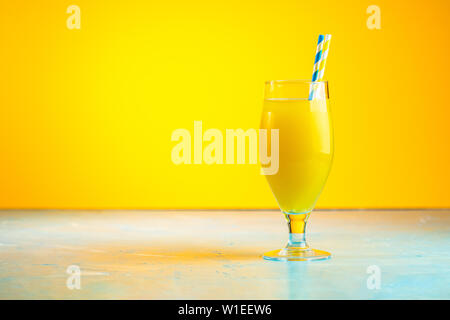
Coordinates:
x,y
300,110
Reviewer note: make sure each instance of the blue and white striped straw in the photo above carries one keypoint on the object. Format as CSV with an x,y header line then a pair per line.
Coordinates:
x,y
323,45
318,57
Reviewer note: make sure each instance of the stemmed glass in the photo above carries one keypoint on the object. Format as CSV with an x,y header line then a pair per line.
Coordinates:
x,y
299,109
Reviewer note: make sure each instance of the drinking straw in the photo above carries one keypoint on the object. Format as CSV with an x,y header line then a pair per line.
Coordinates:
x,y
326,47
323,45
317,57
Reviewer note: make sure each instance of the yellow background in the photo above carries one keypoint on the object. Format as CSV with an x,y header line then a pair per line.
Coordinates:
x,y
86,115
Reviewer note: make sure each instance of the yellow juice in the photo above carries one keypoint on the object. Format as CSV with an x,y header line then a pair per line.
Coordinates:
x,y
305,150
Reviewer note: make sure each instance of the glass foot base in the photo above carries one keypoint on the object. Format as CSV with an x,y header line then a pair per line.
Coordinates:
x,y
293,254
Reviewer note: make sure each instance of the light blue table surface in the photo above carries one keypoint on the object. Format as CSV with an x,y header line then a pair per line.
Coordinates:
x,y
217,255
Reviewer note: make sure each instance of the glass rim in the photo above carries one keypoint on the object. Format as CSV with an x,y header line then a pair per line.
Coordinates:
x,y
294,81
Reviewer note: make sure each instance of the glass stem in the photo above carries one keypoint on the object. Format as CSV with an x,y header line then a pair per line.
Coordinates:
x,y
297,229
